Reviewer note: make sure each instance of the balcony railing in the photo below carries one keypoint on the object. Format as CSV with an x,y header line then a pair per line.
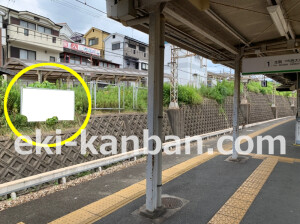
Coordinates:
x,y
135,53
33,37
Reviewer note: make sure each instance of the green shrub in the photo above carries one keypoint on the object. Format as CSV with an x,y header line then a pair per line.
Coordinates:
x,y
19,120
52,121
218,92
45,85
188,95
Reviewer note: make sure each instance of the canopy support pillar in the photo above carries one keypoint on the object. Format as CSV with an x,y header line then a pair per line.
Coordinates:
x,y
236,105
155,109
297,131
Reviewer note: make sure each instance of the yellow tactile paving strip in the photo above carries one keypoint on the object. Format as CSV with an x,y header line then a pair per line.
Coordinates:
x,y
280,158
107,205
236,207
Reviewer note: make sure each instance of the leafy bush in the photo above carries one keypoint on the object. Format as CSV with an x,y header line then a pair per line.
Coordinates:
x,y
257,88
188,95
218,92
52,121
45,85
19,120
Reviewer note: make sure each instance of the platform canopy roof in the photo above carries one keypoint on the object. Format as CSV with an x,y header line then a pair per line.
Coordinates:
x,y
255,28
14,65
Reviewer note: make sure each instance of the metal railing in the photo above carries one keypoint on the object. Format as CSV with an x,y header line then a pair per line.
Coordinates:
x,y
121,95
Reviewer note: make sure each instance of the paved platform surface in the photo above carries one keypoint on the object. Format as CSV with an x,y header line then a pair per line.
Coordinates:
x,y
207,187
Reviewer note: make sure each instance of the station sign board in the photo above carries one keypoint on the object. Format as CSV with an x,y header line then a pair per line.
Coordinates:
x,y
271,64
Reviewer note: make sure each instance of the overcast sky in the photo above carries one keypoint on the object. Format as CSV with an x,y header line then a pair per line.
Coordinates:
x,y
81,18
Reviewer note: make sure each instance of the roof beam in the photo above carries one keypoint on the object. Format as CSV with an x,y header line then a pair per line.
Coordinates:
x,y
226,26
199,28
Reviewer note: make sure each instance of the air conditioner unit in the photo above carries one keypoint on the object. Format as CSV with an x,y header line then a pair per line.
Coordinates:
x,y
121,9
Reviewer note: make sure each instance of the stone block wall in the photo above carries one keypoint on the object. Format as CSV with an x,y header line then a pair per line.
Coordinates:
x,y
198,119
260,107
15,166
208,117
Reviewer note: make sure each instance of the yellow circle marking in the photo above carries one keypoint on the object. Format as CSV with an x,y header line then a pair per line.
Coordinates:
x,y
16,132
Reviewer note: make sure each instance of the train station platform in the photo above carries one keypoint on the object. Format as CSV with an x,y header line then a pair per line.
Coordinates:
x,y
263,189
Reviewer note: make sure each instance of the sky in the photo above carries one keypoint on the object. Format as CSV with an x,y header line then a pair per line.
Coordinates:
x,y
81,18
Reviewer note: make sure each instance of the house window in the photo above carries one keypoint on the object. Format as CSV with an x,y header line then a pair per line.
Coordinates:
x,y
26,32
27,55
93,41
133,51
115,46
52,59
72,59
48,31
136,65
27,24
145,54
44,30
132,46
114,36
84,61
41,29
77,60
142,48
53,39
144,66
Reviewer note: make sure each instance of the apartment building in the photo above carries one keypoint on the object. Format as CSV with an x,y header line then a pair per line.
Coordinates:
x,y
94,37
30,36
2,37
126,51
192,69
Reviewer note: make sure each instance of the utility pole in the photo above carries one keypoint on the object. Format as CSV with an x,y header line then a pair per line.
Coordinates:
x,y
174,78
174,73
274,95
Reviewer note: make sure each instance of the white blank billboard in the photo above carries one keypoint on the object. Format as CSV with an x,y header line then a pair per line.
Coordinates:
x,y
41,104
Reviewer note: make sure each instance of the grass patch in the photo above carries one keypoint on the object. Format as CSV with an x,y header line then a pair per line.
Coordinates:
x,y
107,97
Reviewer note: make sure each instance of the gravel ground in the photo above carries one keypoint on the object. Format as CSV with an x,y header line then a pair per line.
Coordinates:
x,y
49,190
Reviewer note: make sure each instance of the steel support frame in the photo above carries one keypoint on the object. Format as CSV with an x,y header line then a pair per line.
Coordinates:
x,y
174,79
155,107
236,105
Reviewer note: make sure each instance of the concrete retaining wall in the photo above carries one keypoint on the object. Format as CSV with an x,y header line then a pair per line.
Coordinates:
x,y
187,121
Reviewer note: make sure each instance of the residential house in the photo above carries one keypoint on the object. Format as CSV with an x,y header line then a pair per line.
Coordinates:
x,y
95,38
78,38
30,36
126,51
65,32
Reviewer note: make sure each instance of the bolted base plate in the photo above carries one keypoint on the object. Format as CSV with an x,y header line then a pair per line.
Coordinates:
x,y
171,204
240,159
153,215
